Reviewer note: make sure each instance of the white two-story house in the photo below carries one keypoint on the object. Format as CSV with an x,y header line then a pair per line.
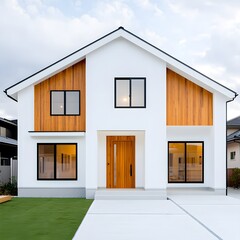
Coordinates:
x,y
120,113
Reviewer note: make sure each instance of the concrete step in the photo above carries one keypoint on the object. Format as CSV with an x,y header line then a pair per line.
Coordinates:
x,y
130,194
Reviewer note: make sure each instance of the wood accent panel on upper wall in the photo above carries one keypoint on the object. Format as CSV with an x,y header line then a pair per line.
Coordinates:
x,y
187,103
72,78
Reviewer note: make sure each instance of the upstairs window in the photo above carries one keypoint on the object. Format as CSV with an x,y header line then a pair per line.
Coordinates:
x,y
65,103
130,92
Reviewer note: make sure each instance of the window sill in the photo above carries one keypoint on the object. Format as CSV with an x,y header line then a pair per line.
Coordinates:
x,y
56,134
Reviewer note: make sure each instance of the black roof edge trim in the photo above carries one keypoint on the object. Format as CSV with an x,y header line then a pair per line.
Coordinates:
x,y
80,49
5,91
105,37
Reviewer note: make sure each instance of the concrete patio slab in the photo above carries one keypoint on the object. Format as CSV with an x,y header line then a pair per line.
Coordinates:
x,y
139,219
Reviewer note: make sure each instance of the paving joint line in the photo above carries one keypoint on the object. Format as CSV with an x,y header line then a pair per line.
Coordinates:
x,y
194,218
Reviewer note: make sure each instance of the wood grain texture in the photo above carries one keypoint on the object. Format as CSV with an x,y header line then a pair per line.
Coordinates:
x,y
72,78
187,103
124,162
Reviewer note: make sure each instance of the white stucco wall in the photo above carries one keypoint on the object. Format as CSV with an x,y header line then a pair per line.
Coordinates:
x,y
122,59
219,140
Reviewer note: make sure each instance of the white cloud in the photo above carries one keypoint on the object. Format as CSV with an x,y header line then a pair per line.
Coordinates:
x,y
151,6
154,38
211,70
185,11
35,34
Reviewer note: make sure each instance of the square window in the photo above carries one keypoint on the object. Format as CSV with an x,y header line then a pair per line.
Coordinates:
x,y
130,92
185,162
57,161
65,103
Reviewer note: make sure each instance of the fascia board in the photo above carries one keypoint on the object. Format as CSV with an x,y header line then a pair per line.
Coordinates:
x,y
181,68
172,63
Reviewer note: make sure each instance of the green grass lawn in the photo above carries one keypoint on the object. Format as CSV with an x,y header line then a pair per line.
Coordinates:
x,y
41,218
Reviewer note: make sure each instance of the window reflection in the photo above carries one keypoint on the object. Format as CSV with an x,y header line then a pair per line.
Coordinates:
x,y
66,161
57,161
177,162
194,162
185,162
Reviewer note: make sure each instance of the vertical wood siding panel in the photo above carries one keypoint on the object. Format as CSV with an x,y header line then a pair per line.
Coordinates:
x,y
72,78
187,103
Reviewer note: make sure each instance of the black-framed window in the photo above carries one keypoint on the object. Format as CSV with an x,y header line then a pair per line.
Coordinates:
x,y
186,162
130,92
57,161
64,102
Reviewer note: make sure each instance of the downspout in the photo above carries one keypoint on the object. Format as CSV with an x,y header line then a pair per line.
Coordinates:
x,y
226,145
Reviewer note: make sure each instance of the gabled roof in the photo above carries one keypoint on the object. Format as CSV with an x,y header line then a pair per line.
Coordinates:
x,y
234,123
234,137
171,62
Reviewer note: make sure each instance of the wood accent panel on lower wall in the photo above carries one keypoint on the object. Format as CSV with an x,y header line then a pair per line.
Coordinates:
x,y
72,78
187,103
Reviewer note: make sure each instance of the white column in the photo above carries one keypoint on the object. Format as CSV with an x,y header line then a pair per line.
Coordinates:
x,y
91,163
219,139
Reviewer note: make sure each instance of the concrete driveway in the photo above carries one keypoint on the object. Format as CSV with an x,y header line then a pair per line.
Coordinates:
x,y
181,217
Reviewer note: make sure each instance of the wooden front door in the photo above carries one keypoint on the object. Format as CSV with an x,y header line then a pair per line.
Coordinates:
x,y
120,161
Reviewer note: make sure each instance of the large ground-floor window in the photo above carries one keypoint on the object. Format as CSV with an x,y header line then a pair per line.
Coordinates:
x,y
185,162
57,161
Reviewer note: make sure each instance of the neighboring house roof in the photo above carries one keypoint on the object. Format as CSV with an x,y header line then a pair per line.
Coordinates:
x,y
8,141
11,122
234,137
234,123
171,63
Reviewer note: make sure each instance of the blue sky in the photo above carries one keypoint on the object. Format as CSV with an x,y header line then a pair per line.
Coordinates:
x,y
204,34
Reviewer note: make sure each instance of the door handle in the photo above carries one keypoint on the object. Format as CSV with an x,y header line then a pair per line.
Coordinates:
x,y
130,170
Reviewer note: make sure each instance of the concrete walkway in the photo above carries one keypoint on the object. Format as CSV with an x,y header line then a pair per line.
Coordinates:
x,y
219,214
232,192
182,217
